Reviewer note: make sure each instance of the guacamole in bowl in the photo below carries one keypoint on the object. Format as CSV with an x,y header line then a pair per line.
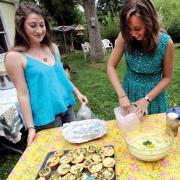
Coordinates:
x,y
150,144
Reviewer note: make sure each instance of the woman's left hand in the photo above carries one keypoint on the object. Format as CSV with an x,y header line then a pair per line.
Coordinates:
x,y
31,136
142,106
83,99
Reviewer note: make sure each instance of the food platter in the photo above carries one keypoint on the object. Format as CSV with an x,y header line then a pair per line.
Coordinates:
x,y
80,163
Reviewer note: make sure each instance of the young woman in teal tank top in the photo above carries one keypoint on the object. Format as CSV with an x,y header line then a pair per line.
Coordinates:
x,y
44,91
149,59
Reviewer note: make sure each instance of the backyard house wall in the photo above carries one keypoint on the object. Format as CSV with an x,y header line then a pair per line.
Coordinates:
x,y
7,26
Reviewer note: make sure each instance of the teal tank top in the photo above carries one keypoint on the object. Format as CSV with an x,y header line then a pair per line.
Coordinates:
x,y
143,72
50,90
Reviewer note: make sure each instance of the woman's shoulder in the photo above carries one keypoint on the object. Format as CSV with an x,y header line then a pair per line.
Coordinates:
x,y
16,51
120,40
14,57
164,36
55,47
120,37
164,42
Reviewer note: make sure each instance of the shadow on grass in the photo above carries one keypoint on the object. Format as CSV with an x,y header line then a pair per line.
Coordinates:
x,y
8,157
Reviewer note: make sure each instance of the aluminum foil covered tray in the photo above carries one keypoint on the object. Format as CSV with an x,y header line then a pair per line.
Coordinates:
x,y
83,131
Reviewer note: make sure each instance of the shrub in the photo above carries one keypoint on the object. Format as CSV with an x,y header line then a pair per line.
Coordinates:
x,y
111,29
169,11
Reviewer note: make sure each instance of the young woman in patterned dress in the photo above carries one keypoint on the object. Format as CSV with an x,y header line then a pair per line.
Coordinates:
x,y
149,59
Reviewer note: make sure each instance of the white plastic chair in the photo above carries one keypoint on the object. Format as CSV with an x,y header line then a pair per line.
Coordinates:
x,y
86,48
87,44
107,44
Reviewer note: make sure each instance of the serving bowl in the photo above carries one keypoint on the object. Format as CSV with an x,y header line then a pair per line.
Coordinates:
x,y
149,143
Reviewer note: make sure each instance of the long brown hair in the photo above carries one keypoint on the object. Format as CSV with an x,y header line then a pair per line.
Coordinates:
x,y
145,10
21,40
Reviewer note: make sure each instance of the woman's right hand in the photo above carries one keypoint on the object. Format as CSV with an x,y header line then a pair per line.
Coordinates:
x,y
31,136
125,103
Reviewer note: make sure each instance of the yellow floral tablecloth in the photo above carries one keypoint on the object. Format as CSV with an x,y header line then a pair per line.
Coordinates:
x,y
127,166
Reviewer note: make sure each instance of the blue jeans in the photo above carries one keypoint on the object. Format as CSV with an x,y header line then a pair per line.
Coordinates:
x,y
61,118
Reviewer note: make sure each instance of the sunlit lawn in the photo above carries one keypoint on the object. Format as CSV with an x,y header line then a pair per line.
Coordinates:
x,y
92,80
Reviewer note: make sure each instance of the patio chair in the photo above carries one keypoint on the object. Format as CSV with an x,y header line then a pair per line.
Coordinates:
x,y
107,44
87,44
86,48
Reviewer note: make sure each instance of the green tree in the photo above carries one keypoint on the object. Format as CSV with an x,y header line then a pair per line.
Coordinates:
x,y
108,8
63,12
169,11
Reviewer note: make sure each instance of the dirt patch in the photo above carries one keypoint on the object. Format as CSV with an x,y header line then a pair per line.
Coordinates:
x,y
95,65
177,46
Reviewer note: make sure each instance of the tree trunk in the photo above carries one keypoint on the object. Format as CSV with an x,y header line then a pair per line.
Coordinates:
x,y
96,51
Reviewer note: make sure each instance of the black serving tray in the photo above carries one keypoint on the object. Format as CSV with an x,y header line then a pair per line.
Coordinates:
x,y
50,154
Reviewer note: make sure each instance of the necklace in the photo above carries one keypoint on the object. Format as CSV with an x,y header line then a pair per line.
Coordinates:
x,y
43,55
45,59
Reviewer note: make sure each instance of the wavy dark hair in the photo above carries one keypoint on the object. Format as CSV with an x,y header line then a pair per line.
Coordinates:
x,y
21,39
145,10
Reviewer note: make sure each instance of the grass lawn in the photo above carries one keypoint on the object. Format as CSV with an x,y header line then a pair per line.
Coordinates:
x,y
92,80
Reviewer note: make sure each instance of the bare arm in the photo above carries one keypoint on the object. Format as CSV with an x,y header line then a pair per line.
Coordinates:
x,y
167,77
80,96
113,62
15,64
167,72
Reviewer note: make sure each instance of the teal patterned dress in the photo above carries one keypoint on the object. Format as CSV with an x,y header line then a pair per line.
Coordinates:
x,y
143,72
